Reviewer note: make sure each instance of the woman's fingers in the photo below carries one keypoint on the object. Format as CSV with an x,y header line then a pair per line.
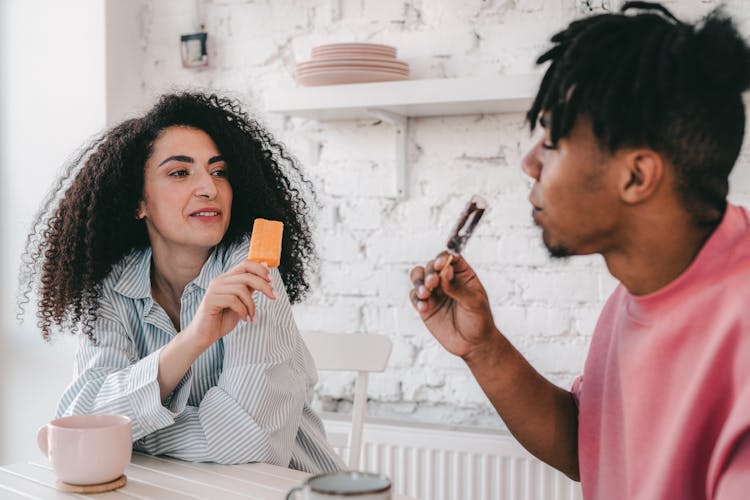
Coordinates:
x,y
250,281
234,290
237,305
216,303
242,292
249,266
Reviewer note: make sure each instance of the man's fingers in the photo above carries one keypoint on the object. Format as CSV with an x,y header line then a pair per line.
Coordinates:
x,y
425,307
447,274
417,275
426,279
457,288
418,304
457,262
431,280
417,279
442,260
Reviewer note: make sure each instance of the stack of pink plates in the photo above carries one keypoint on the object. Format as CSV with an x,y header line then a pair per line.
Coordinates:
x,y
339,63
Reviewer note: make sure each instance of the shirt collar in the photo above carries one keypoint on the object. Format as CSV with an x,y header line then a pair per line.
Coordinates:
x,y
135,280
213,267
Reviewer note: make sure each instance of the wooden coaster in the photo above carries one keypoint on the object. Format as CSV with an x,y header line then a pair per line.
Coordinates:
x,y
93,488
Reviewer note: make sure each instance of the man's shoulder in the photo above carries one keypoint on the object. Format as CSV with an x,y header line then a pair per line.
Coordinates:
x,y
729,256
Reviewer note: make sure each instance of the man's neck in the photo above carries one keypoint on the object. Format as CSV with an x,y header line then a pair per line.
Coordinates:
x,y
661,246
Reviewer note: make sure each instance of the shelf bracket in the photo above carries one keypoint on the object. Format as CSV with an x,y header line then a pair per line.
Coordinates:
x,y
401,123
335,10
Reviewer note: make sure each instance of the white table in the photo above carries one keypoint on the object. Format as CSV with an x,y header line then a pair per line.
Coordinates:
x,y
163,478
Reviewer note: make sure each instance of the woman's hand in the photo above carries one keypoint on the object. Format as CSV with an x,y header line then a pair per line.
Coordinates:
x,y
453,304
229,299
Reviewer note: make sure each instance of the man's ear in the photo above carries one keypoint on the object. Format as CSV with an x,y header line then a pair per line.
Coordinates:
x,y
642,174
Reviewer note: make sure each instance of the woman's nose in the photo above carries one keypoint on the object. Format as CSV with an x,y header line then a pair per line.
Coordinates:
x,y
532,164
205,187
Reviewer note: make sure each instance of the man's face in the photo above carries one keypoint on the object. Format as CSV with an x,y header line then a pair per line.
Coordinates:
x,y
575,197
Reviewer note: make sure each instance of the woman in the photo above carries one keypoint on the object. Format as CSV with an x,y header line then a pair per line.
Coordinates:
x,y
146,254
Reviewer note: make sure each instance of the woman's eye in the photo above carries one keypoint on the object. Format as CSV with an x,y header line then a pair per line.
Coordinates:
x,y
178,173
220,173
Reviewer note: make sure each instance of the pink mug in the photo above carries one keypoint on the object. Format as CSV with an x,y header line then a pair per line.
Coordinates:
x,y
87,449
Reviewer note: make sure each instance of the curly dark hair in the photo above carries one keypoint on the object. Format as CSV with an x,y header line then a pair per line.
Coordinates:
x,y
78,236
652,80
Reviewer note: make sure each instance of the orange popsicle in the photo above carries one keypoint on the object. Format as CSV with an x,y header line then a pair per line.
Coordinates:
x,y
265,242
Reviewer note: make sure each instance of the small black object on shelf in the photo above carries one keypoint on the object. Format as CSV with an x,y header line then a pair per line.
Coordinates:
x,y
194,50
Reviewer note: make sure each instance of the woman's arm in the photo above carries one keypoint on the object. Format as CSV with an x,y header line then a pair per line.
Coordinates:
x,y
255,410
109,377
227,301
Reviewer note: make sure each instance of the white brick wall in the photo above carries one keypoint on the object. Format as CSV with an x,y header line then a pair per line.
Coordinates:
x,y
367,240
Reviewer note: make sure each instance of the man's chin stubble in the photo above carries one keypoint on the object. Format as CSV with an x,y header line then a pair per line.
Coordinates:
x,y
558,252
555,251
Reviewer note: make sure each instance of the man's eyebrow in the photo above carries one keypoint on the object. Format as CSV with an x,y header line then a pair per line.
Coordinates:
x,y
182,158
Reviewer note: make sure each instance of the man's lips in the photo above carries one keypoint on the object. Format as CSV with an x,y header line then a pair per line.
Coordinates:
x,y
534,205
536,211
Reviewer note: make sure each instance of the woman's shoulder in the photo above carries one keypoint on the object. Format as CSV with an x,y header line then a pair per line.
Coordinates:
x,y
134,266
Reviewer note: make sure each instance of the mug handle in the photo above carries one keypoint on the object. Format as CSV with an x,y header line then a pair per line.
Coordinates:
x,y
41,440
290,495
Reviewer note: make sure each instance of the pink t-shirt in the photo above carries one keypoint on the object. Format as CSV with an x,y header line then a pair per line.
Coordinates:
x,y
664,401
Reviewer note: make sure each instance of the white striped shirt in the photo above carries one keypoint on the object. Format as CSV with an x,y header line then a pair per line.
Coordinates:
x,y
245,399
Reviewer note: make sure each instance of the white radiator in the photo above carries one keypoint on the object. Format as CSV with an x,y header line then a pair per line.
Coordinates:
x,y
438,463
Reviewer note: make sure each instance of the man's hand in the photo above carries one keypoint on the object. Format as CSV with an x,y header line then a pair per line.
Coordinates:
x,y
453,304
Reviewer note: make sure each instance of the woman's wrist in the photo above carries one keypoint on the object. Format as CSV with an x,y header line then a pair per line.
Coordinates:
x,y
194,340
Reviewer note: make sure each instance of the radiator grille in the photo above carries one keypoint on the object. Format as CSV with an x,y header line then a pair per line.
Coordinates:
x,y
443,464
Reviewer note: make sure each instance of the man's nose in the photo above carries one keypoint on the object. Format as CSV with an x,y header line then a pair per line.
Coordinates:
x,y
532,164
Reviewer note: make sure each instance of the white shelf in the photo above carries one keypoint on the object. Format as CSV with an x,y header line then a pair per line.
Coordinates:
x,y
434,97
395,102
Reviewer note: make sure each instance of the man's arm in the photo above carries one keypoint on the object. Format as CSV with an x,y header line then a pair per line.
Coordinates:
x,y
454,306
542,416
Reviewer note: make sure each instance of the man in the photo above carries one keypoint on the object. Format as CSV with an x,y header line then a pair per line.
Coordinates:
x,y
643,120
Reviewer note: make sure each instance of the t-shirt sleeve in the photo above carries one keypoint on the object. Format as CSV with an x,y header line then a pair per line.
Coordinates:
x,y
734,482
576,389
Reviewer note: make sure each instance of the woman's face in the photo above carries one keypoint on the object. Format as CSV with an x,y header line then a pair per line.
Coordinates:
x,y
187,199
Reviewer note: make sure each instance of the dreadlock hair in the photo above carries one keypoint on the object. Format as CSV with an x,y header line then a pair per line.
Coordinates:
x,y
79,236
650,80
